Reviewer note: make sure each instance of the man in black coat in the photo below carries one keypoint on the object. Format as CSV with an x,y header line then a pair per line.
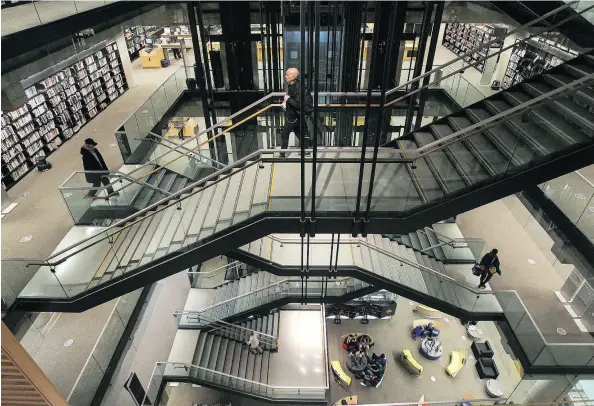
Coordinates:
x,y
93,161
490,266
293,114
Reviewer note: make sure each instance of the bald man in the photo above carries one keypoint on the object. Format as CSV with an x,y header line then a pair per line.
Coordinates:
x,y
293,114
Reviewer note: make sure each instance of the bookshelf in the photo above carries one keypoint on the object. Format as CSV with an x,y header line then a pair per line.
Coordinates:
x,y
136,39
57,107
461,38
532,57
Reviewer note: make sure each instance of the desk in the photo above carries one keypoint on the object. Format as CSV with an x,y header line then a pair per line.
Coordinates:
x,y
153,58
184,124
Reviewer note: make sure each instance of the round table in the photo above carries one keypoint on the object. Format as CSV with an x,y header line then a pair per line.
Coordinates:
x,y
494,388
431,348
356,367
474,333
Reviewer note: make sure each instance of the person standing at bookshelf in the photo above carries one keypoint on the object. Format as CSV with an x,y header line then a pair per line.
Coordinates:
x,y
93,161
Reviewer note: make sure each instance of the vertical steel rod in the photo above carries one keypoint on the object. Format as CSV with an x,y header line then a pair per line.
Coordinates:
x,y
302,17
381,106
374,52
315,112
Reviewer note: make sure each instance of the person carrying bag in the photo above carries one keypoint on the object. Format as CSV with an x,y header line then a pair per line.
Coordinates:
x,y
488,267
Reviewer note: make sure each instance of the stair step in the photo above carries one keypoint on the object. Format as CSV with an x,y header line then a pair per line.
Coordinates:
x,y
262,189
215,206
464,162
414,240
148,236
426,179
512,146
492,158
423,239
229,358
440,165
242,210
433,240
200,213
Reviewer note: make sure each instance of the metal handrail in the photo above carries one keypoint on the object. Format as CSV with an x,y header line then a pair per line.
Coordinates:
x,y
420,267
226,267
273,388
325,342
494,120
216,177
289,280
403,86
190,151
210,320
114,173
365,243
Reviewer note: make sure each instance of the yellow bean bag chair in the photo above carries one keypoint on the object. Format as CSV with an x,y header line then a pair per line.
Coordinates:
x,y
342,377
411,363
457,361
427,311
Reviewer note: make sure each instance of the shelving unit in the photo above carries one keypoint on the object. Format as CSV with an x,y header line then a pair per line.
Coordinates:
x,y
532,57
136,39
58,107
461,38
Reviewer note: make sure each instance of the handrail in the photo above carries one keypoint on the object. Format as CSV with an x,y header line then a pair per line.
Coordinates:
x,y
226,267
403,86
211,320
192,189
368,245
114,173
288,280
507,114
273,388
420,267
190,151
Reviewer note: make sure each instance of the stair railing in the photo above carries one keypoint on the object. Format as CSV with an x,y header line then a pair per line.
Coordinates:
x,y
391,255
499,118
199,276
281,288
521,29
117,174
222,326
173,370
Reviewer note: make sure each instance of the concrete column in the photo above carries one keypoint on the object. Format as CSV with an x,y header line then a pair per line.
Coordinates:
x,y
120,40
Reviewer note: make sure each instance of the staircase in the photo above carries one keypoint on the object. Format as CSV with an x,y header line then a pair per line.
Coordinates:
x,y
441,247
165,180
577,30
257,195
261,290
384,263
225,351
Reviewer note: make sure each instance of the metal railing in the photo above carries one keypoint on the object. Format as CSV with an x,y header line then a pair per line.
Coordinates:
x,y
404,86
225,327
121,175
408,156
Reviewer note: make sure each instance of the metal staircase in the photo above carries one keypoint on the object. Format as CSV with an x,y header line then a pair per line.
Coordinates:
x,y
262,291
382,262
525,135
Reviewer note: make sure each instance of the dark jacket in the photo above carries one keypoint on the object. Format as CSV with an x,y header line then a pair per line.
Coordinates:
x,y
294,102
90,163
490,260
293,110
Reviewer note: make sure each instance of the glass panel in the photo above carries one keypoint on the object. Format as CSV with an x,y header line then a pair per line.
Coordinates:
x,y
145,117
15,277
109,340
87,385
159,102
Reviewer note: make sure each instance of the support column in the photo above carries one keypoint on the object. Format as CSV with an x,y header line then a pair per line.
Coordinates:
x,y
425,27
352,19
120,40
430,58
198,67
235,21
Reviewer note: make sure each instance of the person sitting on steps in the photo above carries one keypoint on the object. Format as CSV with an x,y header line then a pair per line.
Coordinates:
x,y
254,343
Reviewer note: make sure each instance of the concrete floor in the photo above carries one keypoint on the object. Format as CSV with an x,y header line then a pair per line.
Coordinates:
x,y
45,339
535,283
45,201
